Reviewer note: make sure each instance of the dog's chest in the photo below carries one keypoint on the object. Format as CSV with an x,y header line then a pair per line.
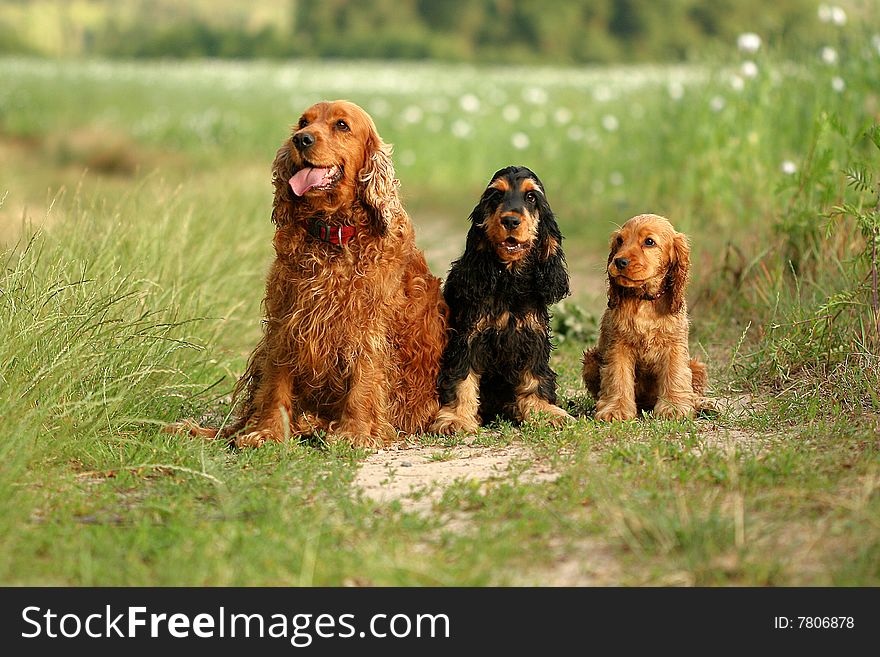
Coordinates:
x,y
507,339
505,322
337,299
645,329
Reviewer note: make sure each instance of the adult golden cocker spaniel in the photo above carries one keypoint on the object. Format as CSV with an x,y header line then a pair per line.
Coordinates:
x,y
355,324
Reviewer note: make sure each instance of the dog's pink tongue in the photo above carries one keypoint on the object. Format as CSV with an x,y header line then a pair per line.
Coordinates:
x,y
304,179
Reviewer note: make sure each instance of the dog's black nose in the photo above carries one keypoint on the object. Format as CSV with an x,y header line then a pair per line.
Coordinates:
x,y
303,140
510,222
621,263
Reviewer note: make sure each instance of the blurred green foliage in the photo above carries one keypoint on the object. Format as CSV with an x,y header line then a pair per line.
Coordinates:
x,y
503,31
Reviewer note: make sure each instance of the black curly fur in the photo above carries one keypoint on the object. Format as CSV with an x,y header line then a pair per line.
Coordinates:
x,y
481,287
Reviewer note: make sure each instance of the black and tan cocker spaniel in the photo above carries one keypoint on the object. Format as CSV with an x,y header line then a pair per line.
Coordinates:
x,y
496,362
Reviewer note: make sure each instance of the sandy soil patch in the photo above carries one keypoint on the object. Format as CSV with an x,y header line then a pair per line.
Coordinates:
x,y
417,476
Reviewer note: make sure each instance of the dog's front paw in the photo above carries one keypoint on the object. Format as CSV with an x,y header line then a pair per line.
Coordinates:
x,y
363,440
670,411
707,406
363,434
560,417
552,415
607,412
448,422
256,438
191,428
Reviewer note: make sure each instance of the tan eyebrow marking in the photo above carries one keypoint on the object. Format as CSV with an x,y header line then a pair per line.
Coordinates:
x,y
529,185
500,184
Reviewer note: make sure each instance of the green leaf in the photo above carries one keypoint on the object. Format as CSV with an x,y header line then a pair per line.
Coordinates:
x,y
874,134
859,178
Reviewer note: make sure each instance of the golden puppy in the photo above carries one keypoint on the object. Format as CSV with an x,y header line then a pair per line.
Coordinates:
x,y
642,360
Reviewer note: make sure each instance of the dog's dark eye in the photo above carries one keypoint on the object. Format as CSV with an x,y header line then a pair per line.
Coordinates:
x,y
619,240
342,126
649,242
532,198
302,123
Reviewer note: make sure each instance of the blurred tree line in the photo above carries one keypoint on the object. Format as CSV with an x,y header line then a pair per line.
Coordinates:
x,y
547,31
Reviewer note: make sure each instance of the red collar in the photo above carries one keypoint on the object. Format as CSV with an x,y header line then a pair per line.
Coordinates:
x,y
336,235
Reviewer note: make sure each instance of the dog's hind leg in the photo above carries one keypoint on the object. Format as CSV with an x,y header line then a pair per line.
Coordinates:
x,y
419,333
590,371
699,376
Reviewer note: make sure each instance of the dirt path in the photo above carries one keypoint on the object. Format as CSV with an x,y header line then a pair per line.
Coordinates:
x,y
417,476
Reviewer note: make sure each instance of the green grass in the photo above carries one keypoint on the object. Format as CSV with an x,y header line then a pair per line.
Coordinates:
x,y
130,296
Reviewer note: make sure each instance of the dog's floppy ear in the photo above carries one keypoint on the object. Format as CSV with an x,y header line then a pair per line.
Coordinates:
x,y
679,271
377,186
551,272
615,293
282,170
485,207
549,235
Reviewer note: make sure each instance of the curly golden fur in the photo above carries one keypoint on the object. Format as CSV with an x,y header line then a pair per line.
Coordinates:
x,y
355,324
642,359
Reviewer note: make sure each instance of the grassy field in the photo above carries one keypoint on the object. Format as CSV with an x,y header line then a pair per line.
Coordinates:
x,y
135,218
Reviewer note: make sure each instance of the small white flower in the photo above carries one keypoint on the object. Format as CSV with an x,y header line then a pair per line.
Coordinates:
x,y
749,69
838,16
824,13
412,114
748,42
737,83
610,122
535,95
829,55
717,103
462,129
788,167
838,84
510,113
469,103
562,115
675,90
575,133
520,140
616,178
